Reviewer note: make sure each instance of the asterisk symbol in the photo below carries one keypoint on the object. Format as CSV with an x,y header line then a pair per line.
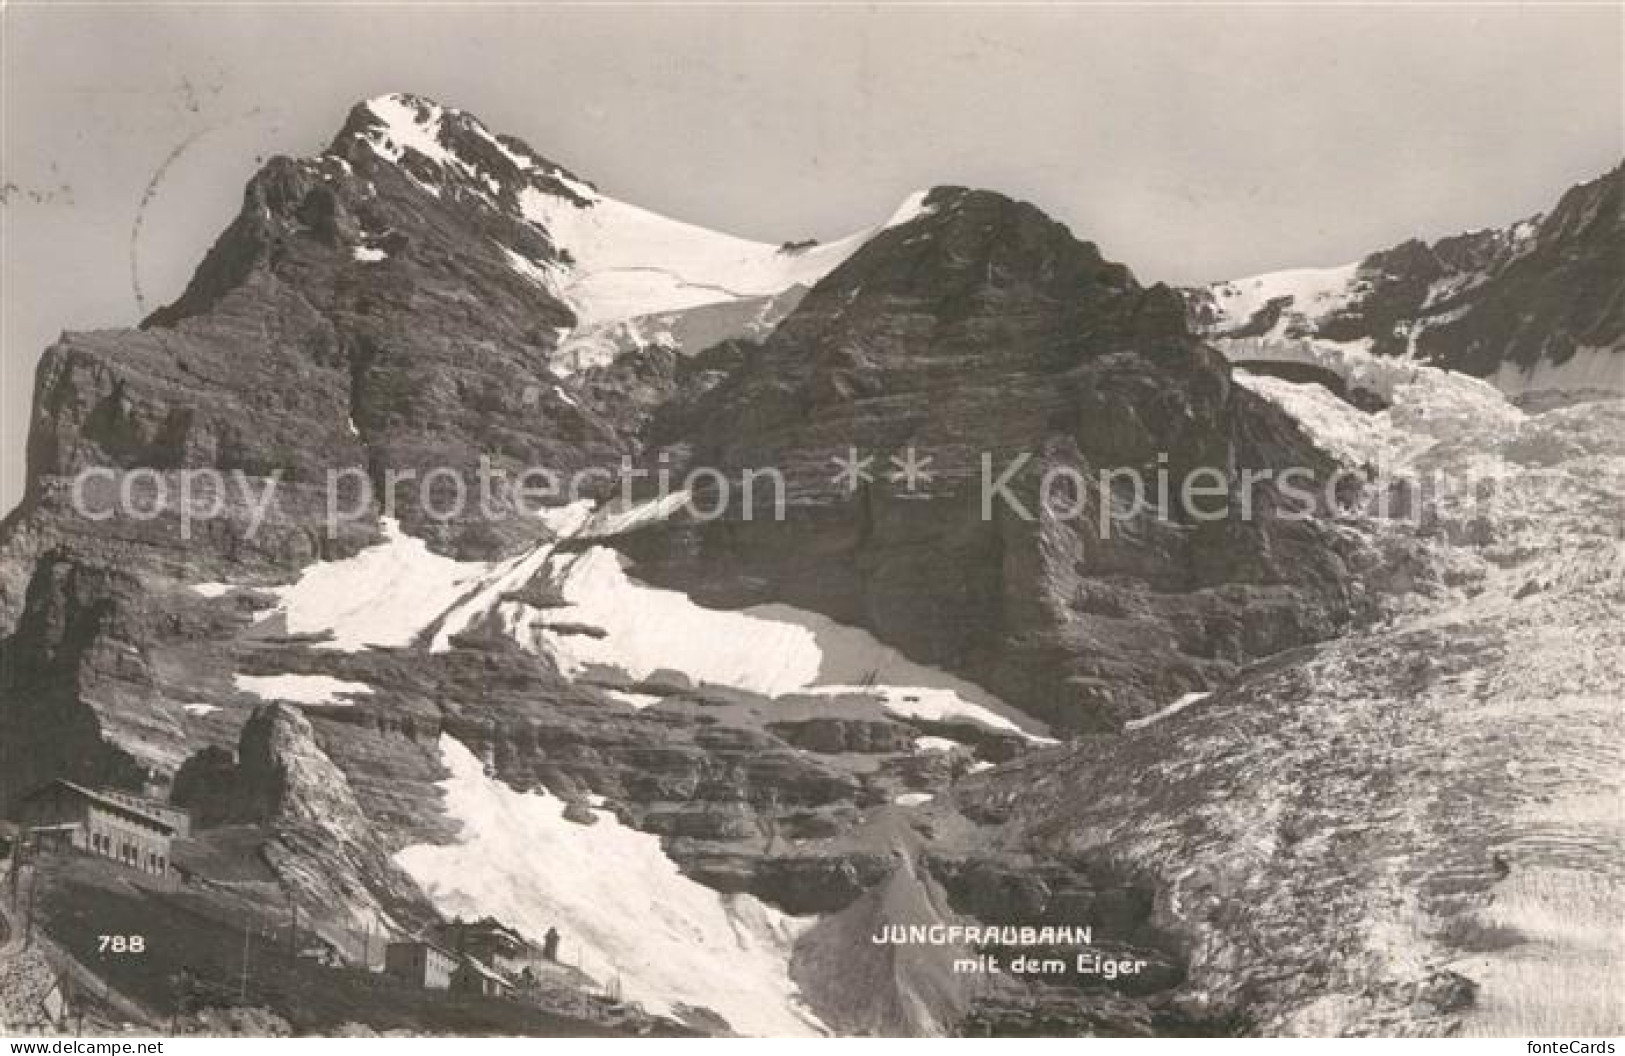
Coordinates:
x,y
912,470
851,471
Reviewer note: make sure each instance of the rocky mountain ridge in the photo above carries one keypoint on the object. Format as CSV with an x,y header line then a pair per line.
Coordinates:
x,y
1535,306
779,732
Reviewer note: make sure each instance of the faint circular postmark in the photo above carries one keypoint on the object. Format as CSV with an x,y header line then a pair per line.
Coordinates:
x,y
150,195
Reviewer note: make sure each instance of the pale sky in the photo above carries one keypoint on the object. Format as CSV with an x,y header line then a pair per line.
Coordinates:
x,y
1190,143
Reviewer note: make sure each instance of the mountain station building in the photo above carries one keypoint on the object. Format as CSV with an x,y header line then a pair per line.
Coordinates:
x,y
129,829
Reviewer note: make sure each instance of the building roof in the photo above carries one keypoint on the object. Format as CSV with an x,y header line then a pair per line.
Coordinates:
x,y
488,927
474,965
117,803
436,947
160,807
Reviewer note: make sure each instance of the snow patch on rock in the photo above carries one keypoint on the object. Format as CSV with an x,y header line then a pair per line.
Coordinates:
x,y
769,649
399,592
912,208
620,519
212,590
1310,294
302,689
1175,708
936,705
624,909
408,126
384,595
648,628
508,575
536,273
636,700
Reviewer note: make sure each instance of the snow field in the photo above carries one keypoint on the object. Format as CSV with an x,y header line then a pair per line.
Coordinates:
x,y
769,649
300,689
384,595
625,912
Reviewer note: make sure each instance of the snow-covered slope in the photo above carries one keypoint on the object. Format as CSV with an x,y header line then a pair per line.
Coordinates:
x,y
302,689
385,595
1298,299
399,593
1536,306
627,915
627,273
1425,404
1436,797
627,261
775,650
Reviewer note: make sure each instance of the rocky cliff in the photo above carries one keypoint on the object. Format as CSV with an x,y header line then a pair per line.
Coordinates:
x,y
958,681
983,337
1536,306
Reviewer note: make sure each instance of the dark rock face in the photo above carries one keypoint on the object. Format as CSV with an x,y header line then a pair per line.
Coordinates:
x,y
1534,292
832,736
706,769
75,683
1282,903
377,337
206,784
346,326
1543,297
359,321
364,316
317,840
984,331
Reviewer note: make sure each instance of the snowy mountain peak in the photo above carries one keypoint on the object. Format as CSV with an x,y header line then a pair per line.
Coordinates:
x,y
912,208
1287,302
1532,306
636,278
632,277
438,144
